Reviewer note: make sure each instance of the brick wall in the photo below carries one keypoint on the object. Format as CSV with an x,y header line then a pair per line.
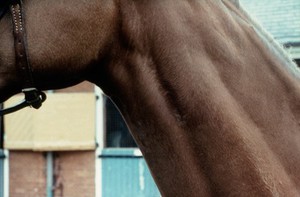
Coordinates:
x,y
82,87
27,174
75,174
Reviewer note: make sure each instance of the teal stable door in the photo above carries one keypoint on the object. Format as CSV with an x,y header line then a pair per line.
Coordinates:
x,y
126,174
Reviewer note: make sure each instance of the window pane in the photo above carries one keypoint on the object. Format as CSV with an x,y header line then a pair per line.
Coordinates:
x,y
1,129
117,133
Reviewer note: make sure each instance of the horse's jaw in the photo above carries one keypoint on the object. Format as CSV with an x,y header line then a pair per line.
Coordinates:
x,y
8,75
10,83
7,91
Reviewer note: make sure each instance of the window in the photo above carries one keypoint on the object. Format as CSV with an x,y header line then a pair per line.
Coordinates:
x,y
2,157
1,130
117,133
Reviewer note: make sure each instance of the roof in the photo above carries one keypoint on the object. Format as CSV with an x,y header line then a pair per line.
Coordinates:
x,y
280,17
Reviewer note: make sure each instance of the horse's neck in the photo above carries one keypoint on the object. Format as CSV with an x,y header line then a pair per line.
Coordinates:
x,y
67,38
195,94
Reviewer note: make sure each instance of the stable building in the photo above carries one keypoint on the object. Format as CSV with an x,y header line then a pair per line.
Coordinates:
x,y
77,144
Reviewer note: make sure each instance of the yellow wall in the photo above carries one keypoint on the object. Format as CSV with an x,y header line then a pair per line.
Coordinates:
x,y
66,121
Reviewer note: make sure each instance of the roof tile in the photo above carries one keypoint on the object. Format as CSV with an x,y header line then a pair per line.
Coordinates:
x,y
280,17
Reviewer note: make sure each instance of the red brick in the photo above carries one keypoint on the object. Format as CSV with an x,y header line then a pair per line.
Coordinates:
x,y
28,174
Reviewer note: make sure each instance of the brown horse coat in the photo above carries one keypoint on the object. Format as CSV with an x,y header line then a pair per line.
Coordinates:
x,y
213,109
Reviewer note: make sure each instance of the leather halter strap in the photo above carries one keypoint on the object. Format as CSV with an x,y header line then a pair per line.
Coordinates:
x,y
33,97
